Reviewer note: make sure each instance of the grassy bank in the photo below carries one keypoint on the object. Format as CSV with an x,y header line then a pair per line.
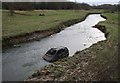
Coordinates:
x,y
30,21
99,62
26,26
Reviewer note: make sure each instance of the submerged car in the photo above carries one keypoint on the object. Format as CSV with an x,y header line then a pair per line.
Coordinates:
x,y
56,53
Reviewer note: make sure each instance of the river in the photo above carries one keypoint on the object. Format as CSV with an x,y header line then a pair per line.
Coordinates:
x,y
20,62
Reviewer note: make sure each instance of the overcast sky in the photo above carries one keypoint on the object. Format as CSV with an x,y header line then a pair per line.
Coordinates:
x,y
35,0
91,2
96,2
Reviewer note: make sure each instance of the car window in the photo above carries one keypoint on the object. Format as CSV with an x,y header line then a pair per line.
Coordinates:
x,y
61,51
51,52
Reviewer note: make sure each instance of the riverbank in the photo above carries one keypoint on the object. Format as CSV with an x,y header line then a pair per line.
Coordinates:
x,y
26,35
99,62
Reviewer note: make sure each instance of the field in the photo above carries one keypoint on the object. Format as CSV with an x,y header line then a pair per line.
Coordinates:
x,y
30,21
99,62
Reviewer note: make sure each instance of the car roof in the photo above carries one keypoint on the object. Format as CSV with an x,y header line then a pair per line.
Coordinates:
x,y
58,48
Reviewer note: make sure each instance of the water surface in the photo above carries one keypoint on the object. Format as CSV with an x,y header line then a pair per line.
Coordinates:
x,y
20,62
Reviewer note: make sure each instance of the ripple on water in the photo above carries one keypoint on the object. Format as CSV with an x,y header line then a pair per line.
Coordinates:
x,y
19,62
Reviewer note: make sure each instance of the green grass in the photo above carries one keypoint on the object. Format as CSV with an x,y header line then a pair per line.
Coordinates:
x,y
99,62
19,24
106,61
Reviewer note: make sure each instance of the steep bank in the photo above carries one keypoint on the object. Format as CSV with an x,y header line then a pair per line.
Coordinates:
x,y
99,62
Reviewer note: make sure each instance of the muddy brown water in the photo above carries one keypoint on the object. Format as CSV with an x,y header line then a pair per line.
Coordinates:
x,y
20,62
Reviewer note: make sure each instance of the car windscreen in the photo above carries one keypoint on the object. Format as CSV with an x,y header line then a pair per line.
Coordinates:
x,y
51,52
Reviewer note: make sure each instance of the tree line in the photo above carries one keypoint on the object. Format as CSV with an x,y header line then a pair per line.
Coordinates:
x,y
54,6
108,7
44,5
